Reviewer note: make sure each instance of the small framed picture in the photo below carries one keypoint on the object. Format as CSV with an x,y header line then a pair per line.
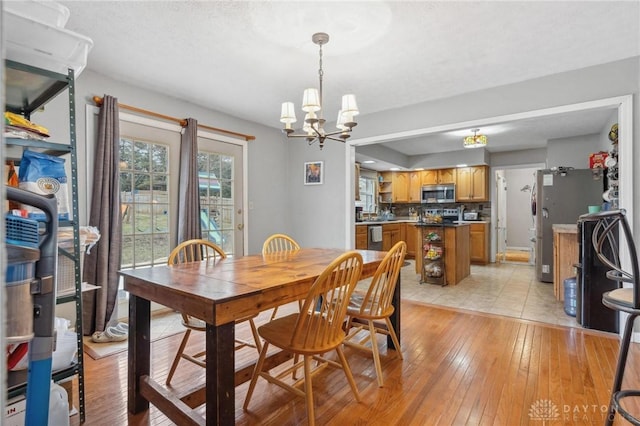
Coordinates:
x,y
313,172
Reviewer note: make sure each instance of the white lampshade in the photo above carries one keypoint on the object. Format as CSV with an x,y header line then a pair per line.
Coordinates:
x,y
349,105
340,122
311,100
288,113
343,118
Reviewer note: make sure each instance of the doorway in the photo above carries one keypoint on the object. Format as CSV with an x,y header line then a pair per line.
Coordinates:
x,y
515,224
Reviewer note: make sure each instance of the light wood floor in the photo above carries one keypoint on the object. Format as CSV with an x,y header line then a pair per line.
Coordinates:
x,y
459,367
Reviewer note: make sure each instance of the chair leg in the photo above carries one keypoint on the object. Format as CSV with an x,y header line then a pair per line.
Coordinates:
x,y
622,362
273,314
256,336
311,420
256,373
394,337
176,360
376,353
347,372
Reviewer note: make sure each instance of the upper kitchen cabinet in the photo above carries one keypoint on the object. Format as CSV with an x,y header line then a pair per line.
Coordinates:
x,y
436,176
385,187
446,176
400,185
429,177
415,187
472,184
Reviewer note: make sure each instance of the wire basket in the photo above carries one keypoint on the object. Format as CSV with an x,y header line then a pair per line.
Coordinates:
x,y
21,231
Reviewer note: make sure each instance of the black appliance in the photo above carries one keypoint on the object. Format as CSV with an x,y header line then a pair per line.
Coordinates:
x,y
443,193
359,214
591,282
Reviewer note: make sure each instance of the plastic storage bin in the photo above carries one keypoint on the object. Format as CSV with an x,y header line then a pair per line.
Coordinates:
x,y
570,292
41,45
47,12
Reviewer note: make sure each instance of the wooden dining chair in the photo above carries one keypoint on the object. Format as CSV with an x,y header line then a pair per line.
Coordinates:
x,y
198,250
278,243
315,330
367,309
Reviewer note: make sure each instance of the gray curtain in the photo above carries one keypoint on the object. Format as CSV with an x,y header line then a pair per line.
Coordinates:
x,y
101,266
189,200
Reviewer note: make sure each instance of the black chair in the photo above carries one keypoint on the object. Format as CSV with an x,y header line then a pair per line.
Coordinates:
x,y
608,247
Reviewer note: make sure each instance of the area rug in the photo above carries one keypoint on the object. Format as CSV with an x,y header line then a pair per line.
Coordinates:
x,y
162,325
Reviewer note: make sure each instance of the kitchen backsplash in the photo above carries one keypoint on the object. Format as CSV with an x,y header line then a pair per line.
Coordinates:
x,y
402,210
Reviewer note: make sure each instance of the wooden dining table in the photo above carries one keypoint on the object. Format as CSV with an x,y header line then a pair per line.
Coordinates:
x,y
219,292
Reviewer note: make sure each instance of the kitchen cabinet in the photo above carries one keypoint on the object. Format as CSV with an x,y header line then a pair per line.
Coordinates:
x,y
385,187
412,238
400,187
391,234
565,256
447,175
415,187
472,184
362,240
432,177
479,243
429,177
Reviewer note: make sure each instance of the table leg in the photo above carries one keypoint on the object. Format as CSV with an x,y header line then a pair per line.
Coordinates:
x,y
220,374
395,317
139,351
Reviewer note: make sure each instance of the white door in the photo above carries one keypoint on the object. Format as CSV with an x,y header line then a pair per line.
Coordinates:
x,y
220,171
501,223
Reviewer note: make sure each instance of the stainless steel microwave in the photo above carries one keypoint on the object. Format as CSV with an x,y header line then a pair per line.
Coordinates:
x,y
441,193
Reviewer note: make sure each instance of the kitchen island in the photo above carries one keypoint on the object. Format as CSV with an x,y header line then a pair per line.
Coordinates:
x,y
455,252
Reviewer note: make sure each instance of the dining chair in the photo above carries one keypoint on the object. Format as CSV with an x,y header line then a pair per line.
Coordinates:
x,y
365,308
198,250
278,243
610,235
315,330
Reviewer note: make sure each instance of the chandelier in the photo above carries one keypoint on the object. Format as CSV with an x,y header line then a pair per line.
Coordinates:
x,y
475,141
313,128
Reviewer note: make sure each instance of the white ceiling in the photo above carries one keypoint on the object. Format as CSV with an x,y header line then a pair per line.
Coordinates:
x,y
246,57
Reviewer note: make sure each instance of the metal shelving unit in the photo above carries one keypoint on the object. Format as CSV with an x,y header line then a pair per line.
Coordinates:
x,y
29,88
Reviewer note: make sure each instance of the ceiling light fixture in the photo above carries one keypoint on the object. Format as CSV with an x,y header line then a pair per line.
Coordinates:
x,y
475,141
312,106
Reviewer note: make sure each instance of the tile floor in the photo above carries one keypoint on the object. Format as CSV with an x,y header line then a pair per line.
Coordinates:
x,y
509,289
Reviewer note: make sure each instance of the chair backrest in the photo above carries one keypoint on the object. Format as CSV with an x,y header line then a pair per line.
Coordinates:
x,y
195,251
379,296
279,242
612,230
319,325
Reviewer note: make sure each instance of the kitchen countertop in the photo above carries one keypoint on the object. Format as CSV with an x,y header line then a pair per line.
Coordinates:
x,y
415,221
570,228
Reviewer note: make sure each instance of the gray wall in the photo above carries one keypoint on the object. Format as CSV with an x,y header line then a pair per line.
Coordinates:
x,y
318,215
563,152
268,155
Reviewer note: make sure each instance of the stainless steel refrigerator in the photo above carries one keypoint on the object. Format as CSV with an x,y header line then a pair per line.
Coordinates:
x,y
561,197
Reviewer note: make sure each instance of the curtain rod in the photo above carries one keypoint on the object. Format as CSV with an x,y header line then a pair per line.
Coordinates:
x,y
181,121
